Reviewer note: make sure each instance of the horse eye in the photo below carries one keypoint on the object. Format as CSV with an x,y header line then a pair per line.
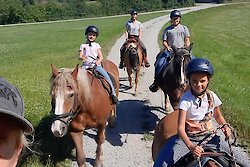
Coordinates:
x,y
71,95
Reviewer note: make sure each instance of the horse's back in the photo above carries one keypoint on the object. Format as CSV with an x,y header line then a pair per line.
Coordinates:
x,y
166,128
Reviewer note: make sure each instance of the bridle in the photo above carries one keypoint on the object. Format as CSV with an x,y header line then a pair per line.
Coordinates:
x,y
69,116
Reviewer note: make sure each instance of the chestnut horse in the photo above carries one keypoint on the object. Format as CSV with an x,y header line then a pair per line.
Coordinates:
x,y
173,83
81,101
133,59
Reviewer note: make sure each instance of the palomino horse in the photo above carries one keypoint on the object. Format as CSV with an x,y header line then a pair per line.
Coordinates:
x,y
133,59
173,83
82,101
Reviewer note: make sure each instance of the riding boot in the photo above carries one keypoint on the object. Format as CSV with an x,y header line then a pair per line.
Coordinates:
x,y
121,61
154,87
114,99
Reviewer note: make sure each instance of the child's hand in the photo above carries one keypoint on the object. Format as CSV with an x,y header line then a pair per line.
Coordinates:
x,y
196,150
227,131
84,58
98,62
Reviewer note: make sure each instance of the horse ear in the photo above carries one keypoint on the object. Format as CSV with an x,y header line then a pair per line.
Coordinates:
x,y
54,70
75,72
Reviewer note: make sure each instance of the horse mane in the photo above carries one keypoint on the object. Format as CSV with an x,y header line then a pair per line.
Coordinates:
x,y
80,86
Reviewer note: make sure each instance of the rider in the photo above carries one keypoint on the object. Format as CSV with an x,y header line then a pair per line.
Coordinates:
x,y
197,110
174,35
14,127
133,29
91,55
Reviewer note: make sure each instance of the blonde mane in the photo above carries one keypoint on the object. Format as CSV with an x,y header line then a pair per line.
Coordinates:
x,y
81,86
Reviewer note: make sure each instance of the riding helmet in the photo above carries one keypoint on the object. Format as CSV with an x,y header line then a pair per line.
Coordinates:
x,y
199,65
175,13
93,29
133,12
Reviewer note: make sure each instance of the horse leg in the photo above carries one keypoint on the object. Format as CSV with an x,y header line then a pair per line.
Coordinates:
x,y
137,75
112,117
100,138
130,77
80,155
168,106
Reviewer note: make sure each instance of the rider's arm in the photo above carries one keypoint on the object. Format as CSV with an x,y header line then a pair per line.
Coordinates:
x,y
166,46
140,32
100,57
126,34
81,55
183,135
187,41
221,121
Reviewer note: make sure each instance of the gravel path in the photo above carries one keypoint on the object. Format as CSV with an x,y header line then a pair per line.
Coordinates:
x,y
127,145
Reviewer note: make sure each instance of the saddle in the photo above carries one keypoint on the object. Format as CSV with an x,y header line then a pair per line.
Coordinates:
x,y
210,158
102,79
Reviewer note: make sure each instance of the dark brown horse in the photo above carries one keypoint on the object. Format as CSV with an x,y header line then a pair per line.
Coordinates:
x,y
173,83
172,80
133,59
80,102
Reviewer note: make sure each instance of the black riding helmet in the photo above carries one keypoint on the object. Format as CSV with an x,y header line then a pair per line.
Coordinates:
x,y
133,12
199,65
93,29
175,13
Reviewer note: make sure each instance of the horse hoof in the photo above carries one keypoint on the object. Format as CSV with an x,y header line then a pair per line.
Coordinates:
x,y
112,121
98,163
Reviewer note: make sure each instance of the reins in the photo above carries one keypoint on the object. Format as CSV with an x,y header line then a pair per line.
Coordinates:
x,y
210,136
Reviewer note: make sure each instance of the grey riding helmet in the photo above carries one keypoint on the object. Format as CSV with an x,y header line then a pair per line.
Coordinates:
x,y
175,13
12,106
93,29
199,65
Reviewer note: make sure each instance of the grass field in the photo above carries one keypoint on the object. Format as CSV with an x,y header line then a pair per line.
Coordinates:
x,y
220,34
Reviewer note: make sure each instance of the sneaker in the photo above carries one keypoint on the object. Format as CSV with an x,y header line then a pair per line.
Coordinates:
x,y
153,88
147,64
114,99
121,65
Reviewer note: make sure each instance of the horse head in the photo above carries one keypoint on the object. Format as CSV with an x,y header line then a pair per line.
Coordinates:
x,y
132,52
64,92
181,57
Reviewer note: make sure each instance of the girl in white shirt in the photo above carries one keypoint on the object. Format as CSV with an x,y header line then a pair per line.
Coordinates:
x,y
91,54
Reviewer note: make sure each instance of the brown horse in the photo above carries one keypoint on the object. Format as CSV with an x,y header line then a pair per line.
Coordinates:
x,y
173,83
133,59
81,102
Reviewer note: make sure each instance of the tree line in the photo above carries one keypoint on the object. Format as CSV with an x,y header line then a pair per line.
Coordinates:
x,y
26,11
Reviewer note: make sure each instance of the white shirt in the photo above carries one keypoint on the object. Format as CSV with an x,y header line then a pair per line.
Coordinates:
x,y
195,107
91,52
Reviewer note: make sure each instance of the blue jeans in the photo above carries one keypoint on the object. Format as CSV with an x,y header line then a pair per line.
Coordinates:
x,y
106,76
162,60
